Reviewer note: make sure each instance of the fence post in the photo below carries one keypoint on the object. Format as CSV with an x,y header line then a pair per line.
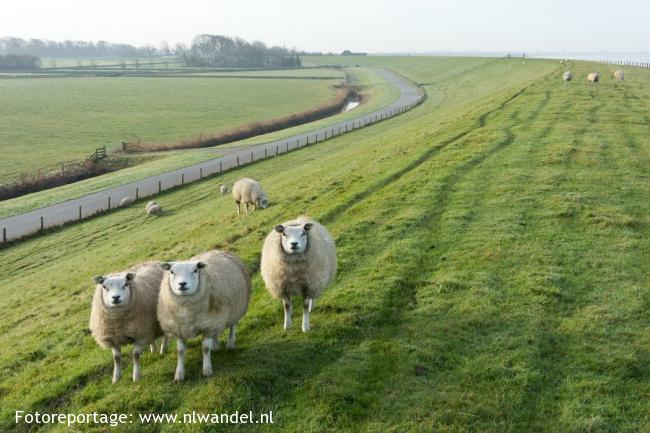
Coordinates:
x,y
277,149
251,156
109,202
201,172
182,178
159,186
237,160
265,152
79,211
137,193
42,223
220,169
4,234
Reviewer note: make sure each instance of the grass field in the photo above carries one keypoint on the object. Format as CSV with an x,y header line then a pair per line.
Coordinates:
x,y
493,247
56,119
377,91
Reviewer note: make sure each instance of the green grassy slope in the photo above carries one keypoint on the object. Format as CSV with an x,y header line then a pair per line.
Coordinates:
x,y
493,273
55,119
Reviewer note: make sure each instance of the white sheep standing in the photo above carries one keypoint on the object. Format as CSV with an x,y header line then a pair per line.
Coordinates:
x,y
124,311
567,76
249,191
619,75
153,208
592,78
126,201
298,259
223,189
203,295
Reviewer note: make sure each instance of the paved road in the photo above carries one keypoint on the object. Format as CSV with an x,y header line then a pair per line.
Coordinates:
x,y
20,225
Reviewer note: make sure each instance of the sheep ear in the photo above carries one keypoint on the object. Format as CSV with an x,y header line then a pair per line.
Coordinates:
x,y
165,266
130,276
98,279
279,228
200,265
307,226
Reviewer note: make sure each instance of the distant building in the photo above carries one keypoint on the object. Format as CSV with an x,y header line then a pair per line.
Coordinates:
x,y
350,53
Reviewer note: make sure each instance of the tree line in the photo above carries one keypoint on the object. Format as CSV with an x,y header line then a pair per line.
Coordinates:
x,y
224,51
46,48
205,50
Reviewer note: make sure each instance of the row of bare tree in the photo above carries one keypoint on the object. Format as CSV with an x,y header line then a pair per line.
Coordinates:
x,y
223,51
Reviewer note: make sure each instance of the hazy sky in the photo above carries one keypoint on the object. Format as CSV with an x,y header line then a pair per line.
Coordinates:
x,y
334,25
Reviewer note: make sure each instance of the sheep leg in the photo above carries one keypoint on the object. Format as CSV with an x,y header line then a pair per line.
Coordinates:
x,y
288,309
117,367
238,207
246,207
306,308
180,363
312,304
137,353
153,346
232,336
207,362
164,344
215,344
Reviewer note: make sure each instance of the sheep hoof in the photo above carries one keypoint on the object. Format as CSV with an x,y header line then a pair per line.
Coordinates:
x,y
230,346
178,379
207,372
305,328
115,379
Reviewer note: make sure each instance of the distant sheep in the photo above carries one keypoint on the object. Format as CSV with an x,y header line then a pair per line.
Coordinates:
x,y
567,76
223,189
126,201
619,75
124,311
249,191
203,295
153,208
593,77
298,259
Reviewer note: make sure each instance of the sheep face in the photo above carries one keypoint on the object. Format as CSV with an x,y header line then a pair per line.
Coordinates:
x,y
262,202
183,276
116,291
294,238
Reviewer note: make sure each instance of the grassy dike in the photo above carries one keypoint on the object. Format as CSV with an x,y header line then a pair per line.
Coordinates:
x,y
493,248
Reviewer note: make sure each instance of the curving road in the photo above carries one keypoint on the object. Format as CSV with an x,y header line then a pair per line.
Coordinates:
x,y
24,224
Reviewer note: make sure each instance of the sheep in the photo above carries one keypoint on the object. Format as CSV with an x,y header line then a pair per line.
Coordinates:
x,y
592,78
249,191
619,75
298,258
223,189
124,311
153,208
203,295
126,201
567,76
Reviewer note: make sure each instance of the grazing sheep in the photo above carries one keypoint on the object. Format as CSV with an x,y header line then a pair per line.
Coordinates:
x,y
154,210
249,191
298,259
619,75
124,311
223,189
592,78
567,76
126,201
150,203
203,295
